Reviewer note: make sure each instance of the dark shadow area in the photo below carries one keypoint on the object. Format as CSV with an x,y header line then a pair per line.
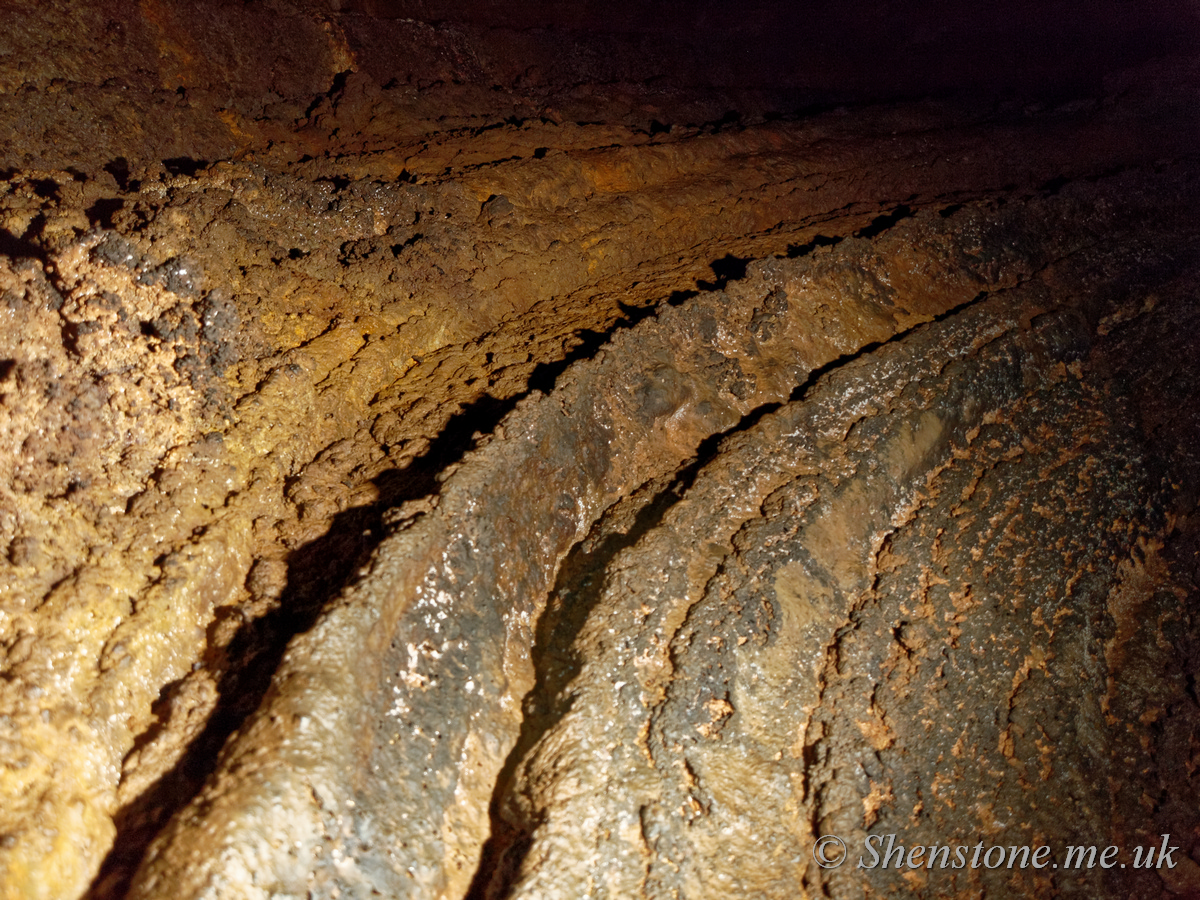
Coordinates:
x,y
730,119
119,170
337,182
1054,185
398,249
882,223
45,188
185,165
679,297
728,268
796,251
100,214
23,247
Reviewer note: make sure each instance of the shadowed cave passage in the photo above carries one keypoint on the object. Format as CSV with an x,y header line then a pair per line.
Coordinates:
x,y
507,452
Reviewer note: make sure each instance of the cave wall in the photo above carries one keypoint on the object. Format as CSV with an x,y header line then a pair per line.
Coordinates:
x,y
506,430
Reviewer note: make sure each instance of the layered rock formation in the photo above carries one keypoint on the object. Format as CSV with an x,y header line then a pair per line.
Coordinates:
x,y
426,476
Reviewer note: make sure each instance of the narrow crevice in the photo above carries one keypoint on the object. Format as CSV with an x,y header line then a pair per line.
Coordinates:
x,y
318,572
882,223
800,391
322,569
796,251
577,591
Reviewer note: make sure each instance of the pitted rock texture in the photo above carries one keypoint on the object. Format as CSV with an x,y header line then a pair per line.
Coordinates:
x,y
428,663
726,659
397,494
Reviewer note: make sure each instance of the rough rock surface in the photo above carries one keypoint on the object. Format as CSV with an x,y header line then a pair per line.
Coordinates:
x,y
653,724
542,482
862,614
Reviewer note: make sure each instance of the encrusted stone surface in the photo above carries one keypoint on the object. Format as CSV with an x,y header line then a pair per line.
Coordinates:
x,y
668,737
871,613
543,483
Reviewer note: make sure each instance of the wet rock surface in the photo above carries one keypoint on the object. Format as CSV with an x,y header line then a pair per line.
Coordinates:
x,y
847,617
572,487
428,659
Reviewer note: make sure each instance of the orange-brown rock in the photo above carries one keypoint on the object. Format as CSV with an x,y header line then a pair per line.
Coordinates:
x,y
449,451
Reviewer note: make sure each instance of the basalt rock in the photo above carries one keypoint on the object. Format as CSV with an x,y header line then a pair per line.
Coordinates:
x,y
709,669
425,474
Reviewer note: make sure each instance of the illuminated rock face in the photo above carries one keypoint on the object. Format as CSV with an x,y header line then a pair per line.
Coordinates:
x,y
409,488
